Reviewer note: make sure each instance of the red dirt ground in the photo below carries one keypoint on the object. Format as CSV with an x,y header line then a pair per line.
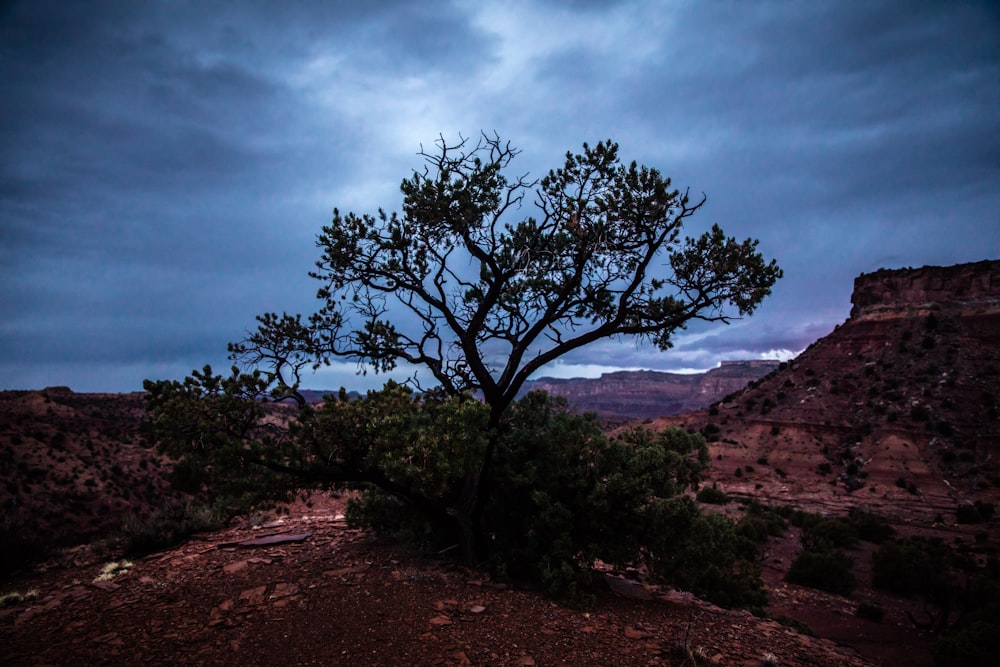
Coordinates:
x,y
340,596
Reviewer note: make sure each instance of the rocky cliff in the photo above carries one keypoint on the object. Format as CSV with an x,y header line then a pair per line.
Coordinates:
x,y
902,291
898,409
647,394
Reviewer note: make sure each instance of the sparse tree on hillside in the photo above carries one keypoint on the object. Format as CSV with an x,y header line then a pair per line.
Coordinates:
x,y
485,277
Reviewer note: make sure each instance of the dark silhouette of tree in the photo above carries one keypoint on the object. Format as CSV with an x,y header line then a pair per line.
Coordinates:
x,y
487,276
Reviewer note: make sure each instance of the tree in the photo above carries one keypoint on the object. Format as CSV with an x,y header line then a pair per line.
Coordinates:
x,y
464,284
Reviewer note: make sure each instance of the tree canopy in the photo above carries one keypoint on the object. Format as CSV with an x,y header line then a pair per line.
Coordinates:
x,y
485,277
482,279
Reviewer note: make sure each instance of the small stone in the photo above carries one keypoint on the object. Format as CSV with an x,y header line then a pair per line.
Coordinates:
x,y
526,661
477,609
233,568
285,538
440,620
633,633
284,590
254,595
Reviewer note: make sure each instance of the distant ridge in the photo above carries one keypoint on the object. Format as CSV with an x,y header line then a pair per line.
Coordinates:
x,y
649,394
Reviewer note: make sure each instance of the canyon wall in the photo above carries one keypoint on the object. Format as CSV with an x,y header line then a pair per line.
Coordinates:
x,y
647,394
898,290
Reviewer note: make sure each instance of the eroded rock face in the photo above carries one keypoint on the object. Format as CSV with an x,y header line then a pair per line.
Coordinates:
x,y
897,410
903,290
648,394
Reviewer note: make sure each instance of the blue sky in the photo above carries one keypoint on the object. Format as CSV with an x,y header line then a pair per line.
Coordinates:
x,y
166,166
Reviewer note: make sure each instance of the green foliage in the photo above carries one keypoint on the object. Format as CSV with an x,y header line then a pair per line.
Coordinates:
x,y
971,644
597,253
704,553
871,527
541,492
911,567
820,533
975,638
600,255
712,495
215,430
826,570
171,524
825,534
775,523
565,494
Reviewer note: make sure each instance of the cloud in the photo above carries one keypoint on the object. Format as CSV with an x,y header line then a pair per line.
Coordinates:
x,y
166,166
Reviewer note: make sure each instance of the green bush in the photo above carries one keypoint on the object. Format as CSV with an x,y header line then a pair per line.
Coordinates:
x,y
703,553
825,570
871,527
173,523
581,496
912,567
556,493
975,638
712,495
828,533
754,528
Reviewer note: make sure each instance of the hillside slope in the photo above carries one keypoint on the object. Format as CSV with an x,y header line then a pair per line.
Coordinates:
x,y
895,410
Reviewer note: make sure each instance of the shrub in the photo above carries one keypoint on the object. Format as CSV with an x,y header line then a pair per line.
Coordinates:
x,y
703,553
975,638
711,432
582,496
911,567
825,570
754,528
824,534
173,523
712,495
871,527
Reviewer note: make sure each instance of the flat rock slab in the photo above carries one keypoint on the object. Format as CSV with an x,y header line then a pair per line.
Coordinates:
x,y
284,538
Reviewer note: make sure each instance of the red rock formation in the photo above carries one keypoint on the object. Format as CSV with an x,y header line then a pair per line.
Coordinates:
x,y
898,409
648,394
906,290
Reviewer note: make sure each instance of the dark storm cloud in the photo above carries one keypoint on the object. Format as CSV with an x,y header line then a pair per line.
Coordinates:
x,y
165,166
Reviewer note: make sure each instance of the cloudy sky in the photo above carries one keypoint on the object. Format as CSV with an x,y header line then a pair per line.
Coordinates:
x,y
165,166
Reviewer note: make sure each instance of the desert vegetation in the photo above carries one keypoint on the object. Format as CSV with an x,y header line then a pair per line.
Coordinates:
x,y
522,485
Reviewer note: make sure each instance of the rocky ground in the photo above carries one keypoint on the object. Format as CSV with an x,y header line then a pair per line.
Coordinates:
x,y
308,590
